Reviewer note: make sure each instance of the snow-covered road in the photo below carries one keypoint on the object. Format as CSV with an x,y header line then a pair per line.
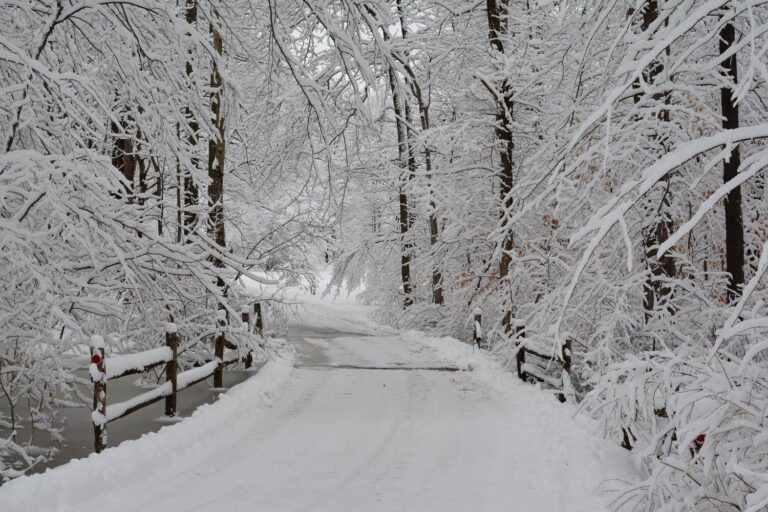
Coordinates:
x,y
351,418
416,440
342,439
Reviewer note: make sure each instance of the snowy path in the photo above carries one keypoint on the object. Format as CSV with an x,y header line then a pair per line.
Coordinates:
x,y
340,439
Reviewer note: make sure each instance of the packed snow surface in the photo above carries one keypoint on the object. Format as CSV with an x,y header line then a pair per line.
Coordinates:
x,y
328,433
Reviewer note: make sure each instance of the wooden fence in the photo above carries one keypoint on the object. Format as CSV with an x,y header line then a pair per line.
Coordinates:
x,y
534,362
104,368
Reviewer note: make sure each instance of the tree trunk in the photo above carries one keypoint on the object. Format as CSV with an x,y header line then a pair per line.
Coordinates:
x,y
403,152
437,286
216,155
179,194
734,226
141,186
159,193
123,157
656,288
216,151
497,12
190,186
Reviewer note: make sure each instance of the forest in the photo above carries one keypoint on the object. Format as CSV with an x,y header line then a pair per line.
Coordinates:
x,y
571,173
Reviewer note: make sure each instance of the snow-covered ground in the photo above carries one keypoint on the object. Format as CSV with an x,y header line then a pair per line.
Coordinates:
x,y
323,436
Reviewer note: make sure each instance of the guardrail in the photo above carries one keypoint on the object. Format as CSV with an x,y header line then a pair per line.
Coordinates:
x,y
103,368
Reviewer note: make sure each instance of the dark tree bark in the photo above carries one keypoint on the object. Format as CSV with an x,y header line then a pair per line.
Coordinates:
x,y
496,13
407,163
406,176
159,194
423,105
123,156
179,194
216,155
734,224
141,185
191,194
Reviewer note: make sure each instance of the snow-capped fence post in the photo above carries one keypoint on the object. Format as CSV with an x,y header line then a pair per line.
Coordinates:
x,y
567,354
121,365
477,331
246,317
98,373
218,349
520,356
565,358
171,368
259,319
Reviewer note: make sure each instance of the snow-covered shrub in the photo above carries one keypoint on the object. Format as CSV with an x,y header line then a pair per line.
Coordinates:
x,y
697,425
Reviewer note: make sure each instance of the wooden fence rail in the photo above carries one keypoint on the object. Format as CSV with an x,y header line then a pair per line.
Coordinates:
x,y
539,367
104,368
534,362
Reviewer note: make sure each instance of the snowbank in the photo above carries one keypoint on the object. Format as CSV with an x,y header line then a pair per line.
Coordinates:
x,y
541,418
184,444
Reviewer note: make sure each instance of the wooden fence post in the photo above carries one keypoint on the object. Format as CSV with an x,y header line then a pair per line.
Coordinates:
x,y
259,319
520,356
98,374
566,355
171,367
477,331
247,321
218,349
